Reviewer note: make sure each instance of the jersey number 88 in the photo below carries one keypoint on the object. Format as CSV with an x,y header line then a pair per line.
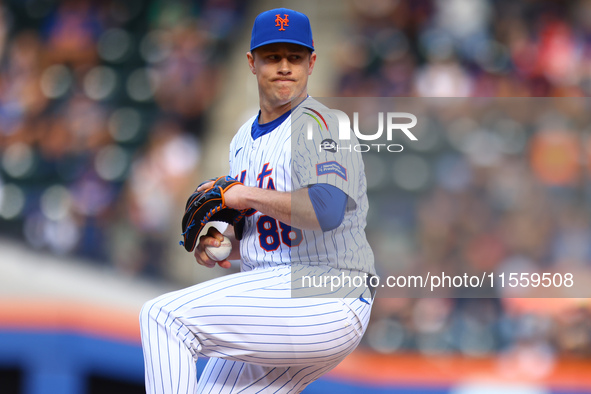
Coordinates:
x,y
271,235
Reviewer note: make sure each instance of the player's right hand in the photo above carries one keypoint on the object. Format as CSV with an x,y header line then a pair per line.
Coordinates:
x,y
212,238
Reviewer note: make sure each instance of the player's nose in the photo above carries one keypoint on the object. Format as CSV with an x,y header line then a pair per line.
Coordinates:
x,y
284,66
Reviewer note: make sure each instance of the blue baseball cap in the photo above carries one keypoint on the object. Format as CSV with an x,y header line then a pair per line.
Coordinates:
x,y
281,25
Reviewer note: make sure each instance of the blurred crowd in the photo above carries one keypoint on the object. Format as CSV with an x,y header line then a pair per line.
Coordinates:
x,y
450,48
103,108
471,195
497,186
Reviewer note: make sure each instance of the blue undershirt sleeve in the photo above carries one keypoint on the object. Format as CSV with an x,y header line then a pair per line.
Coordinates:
x,y
329,204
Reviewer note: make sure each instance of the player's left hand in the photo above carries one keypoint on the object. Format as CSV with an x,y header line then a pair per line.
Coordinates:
x,y
208,204
232,197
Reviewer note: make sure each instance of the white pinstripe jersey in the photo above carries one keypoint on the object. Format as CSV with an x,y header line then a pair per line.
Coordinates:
x,y
286,160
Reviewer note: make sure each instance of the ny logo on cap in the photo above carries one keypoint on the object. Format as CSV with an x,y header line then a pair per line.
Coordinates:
x,y
281,22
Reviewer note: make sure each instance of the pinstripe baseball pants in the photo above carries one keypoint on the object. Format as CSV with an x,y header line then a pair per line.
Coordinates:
x,y
257,337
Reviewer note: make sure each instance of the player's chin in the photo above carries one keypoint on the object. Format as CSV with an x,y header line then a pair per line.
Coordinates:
x,y
286,96
284,92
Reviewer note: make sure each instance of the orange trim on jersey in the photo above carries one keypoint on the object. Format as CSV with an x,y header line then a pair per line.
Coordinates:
x,y
85,318
297,231
271,220
242,176
265,172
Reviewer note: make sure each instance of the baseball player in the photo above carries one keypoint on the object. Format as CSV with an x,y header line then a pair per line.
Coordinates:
x,y
307,205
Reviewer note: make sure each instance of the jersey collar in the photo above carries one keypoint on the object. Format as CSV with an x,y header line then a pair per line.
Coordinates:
x,y
258,130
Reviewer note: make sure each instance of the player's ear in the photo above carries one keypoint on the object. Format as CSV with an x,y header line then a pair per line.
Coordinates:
x,y
250,58
312,62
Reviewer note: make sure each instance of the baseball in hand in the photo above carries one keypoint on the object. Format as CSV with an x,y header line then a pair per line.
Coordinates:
x,y
221,252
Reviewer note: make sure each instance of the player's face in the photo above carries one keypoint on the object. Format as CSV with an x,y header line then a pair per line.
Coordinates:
x,y
282,72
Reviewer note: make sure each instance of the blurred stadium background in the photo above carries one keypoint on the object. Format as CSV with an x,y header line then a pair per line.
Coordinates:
x,y
112,111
